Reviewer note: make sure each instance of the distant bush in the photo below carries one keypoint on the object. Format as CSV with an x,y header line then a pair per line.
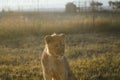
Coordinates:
x,y
70,8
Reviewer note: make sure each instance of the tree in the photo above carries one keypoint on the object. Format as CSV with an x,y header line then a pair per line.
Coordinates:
x,y
96,5
110,3
99,4
114,4
70,7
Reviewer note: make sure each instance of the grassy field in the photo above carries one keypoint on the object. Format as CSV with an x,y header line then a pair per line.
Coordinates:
x,y
93,52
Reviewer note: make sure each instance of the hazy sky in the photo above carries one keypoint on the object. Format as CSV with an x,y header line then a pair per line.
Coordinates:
x,y
15,4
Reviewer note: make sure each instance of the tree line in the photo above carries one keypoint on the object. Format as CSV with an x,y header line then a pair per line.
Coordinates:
x,y
71,7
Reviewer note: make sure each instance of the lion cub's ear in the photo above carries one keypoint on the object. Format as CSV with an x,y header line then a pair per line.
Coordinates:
x,y
48,38
62,35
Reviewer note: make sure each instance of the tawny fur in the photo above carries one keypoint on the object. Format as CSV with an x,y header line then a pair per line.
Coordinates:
x,y
54,63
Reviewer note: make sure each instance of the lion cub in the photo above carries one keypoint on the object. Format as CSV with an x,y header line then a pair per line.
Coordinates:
x,y
54,63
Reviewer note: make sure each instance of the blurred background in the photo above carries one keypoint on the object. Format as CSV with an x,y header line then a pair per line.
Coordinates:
x,y
92,29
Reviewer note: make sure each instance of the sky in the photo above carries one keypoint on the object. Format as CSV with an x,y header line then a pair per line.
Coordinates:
x,y
34,4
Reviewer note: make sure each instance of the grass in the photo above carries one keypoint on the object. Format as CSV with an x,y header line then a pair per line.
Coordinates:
x,y
34,23
93,52
95,56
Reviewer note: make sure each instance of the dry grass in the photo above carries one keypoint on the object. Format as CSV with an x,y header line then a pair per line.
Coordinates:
x,y
34,23
91,55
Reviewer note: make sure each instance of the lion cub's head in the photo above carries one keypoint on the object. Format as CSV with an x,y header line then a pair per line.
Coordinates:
x,y
55,44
